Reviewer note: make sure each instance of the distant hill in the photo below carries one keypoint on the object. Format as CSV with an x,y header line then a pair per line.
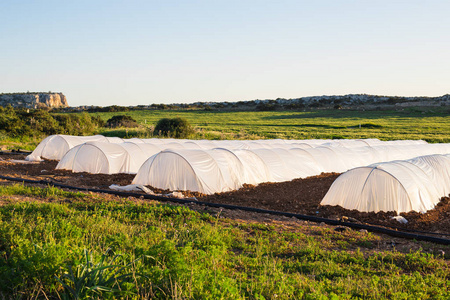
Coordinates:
x,y
352,101
34,100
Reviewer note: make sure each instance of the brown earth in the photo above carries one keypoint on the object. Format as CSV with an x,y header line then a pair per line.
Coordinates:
x,y
300,196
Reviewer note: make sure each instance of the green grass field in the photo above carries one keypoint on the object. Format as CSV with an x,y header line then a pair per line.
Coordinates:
x,y
413,123
56,244
432,126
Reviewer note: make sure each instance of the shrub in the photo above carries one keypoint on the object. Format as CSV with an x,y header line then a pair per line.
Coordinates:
x,y
266,107
177,127
112,108
25,122
121,121
42,121
371,125
11,123
294,105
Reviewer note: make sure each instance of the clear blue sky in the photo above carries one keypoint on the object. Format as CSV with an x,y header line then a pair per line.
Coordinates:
x,y
143,52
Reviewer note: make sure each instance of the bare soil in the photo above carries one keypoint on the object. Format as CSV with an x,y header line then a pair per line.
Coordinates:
x,y
300,196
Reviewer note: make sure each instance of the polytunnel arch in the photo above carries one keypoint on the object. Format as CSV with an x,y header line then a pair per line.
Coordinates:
x,y
232,168
182,169
175,153
310,167
57,145
437,168
391,175
172,145
349,192
115,139
418,186
300,145
275,163
68,161
139,153
36,155
256,170
153,141
134,140
96,158
327,159
366,143
194,144
400,186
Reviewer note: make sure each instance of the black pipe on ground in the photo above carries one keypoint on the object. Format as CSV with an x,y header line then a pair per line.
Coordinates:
x,y
15,152
372,228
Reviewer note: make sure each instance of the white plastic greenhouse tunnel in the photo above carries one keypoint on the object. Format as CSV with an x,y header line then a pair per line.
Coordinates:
x,y
416,184
96,158
107,158
216,166
55,146
182,169
192,169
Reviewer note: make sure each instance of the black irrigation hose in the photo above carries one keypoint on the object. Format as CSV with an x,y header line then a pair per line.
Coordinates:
x,y
371,228
15,152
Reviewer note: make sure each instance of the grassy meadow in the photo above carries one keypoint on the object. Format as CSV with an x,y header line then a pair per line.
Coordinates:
x,y
63,245
26,130
430,125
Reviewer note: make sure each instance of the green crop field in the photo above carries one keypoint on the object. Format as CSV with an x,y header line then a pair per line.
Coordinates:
x,y
62,245
432,126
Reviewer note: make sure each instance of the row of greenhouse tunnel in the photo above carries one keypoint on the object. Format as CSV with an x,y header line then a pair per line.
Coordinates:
x,y
377,175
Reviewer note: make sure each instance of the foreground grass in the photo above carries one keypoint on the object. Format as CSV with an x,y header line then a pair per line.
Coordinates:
x,y
430,125
72,245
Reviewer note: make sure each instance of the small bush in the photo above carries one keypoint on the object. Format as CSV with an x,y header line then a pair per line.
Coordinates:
x,y
121,121
112,108
371,125
266,107
177,127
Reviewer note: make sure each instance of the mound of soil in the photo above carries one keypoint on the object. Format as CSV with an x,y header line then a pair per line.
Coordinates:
x,y
300,196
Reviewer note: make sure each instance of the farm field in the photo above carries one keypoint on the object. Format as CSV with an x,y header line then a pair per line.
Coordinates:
x,y
48,236
412,123
430,125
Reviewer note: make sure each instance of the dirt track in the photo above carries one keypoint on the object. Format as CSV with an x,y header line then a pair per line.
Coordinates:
x,y
298,196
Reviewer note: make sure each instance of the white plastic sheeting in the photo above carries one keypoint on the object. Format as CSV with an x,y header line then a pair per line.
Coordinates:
x,y
96,157
107,158
411,185
183,169
238,161
256,171
254,166
139,153
55,146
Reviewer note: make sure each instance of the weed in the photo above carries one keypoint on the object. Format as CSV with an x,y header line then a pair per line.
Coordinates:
x,y
95,279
